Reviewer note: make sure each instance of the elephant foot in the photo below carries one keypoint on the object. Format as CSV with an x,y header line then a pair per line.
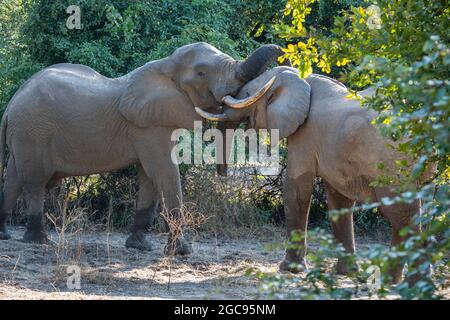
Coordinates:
x,y
33,236
138,241
35,230
345,267
179,247
288,265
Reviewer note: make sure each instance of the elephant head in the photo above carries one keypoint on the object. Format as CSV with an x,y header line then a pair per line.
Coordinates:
x,y
277,99
283,102
165,92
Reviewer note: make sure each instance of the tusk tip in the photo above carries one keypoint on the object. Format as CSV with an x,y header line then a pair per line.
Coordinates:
x,y
272,80
210,116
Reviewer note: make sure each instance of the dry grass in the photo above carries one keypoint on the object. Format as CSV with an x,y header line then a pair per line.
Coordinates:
x,y
180,220
228,202
215,269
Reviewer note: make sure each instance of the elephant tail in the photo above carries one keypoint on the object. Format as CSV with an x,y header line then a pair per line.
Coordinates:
x,y
3,126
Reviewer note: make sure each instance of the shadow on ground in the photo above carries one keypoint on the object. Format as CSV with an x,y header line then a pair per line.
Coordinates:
x,y
109,270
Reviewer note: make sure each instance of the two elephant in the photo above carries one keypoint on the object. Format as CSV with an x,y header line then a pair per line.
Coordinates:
x,y
68,120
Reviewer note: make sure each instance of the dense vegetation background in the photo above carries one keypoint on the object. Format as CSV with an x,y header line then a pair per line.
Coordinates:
x,y
406,57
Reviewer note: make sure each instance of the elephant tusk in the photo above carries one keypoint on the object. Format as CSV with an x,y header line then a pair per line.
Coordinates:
x,y
247,102
211,116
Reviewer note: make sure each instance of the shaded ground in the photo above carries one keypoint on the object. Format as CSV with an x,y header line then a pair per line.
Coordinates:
x,y
110,271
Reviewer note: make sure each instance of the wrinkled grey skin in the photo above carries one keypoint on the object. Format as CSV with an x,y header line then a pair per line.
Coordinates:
x,y
328,136
68,120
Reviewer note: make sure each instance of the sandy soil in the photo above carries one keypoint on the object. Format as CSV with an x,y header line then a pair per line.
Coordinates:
x,y
110,271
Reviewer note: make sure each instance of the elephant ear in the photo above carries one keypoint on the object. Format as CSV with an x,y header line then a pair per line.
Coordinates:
x,y
288,105
151,98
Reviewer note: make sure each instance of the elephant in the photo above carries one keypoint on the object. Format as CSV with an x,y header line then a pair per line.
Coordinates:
x,y
68,120
328,136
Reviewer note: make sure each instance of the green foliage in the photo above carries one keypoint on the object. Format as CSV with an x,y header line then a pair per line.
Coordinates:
x,y
16,65
119,35
308,15
401,48
406,57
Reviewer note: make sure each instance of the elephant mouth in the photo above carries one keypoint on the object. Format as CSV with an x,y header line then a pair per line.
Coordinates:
x,y
208,103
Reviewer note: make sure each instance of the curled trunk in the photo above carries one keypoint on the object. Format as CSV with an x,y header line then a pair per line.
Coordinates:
x,y
256,64
259,61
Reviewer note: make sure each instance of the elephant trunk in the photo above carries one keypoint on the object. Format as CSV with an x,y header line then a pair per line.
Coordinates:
x,y
256,64
222,168
259,61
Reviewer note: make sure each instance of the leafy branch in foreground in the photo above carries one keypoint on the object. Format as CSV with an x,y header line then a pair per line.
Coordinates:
x,y
400,48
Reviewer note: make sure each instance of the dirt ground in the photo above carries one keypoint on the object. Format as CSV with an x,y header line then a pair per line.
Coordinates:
x,y
216,269
109,270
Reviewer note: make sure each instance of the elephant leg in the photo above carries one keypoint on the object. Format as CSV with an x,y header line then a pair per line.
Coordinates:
x,y
297,197
34,198
155,157
145,212
342,228
171,201
11,192
400,215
